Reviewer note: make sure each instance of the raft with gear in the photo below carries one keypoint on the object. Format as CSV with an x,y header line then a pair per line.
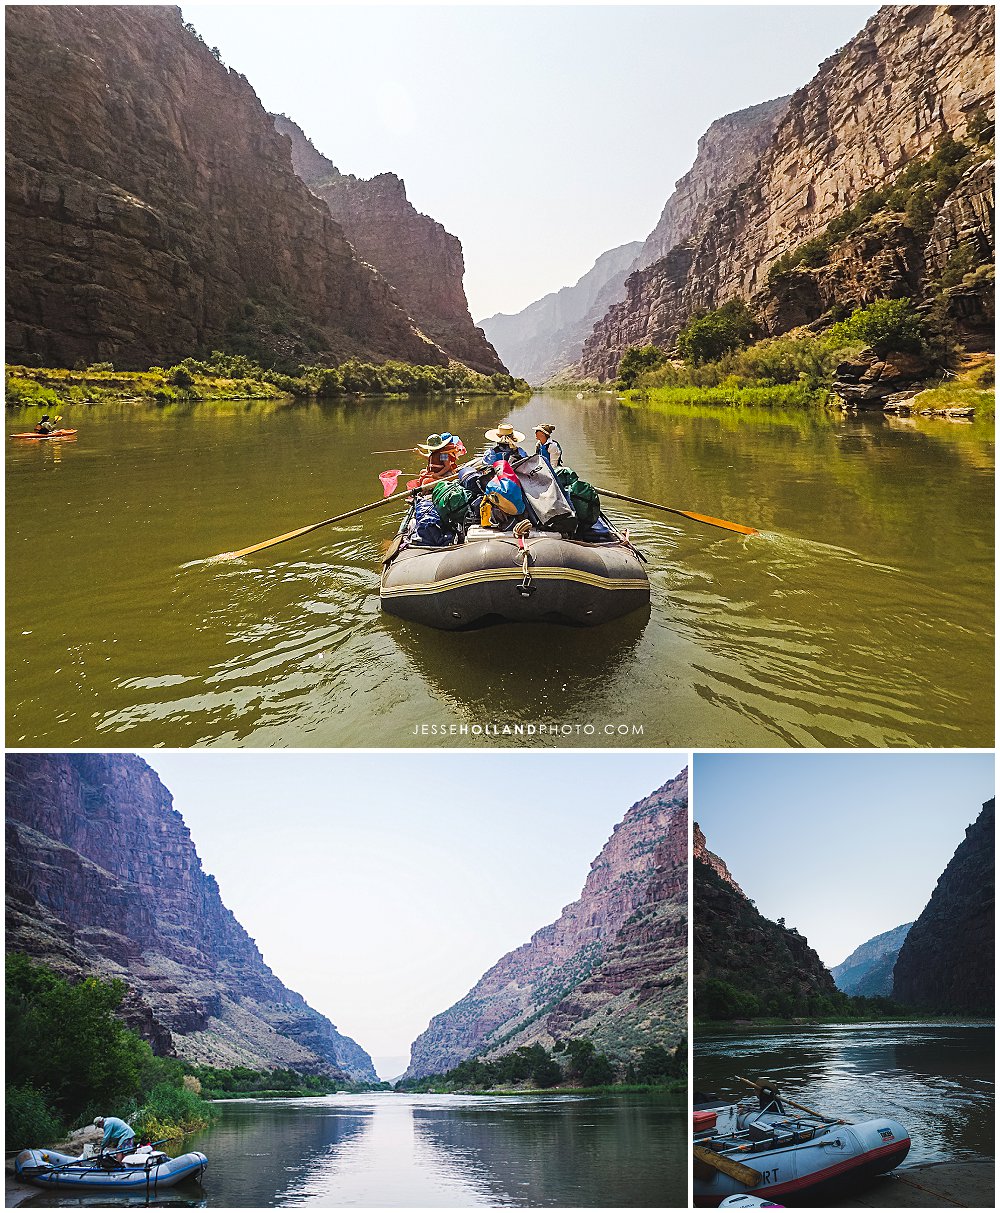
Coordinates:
x,y
509,540
762,1149
145,1172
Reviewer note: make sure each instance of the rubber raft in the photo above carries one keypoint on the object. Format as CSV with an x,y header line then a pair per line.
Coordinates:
x,y
142,1172
794,1156
495,576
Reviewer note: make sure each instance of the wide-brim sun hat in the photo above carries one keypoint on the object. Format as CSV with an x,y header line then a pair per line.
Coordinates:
x,y
504,431
435,442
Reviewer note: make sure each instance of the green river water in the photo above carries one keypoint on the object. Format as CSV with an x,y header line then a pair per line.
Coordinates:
x,y
433,1151
862,616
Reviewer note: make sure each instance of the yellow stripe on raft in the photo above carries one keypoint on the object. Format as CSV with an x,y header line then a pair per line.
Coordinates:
x,y
552,574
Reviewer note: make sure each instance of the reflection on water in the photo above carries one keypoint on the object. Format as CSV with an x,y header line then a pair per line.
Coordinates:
x,y
426,1151
935,1079
861,616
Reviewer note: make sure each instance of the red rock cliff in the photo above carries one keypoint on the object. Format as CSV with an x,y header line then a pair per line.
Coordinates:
x,y
410,250
152,209
102,877
614,957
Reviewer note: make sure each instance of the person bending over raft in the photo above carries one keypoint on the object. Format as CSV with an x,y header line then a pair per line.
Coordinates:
x,y
119,1138
45,426
548,448
505,441
441,452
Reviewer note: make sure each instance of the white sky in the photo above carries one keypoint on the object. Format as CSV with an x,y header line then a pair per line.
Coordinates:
x,y
382,886
540,135
842,846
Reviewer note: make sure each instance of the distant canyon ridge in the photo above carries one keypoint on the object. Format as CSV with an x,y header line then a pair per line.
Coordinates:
x,y
769,178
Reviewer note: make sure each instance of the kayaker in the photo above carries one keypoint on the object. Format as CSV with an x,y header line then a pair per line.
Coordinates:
x,y
505,441
441,452
119,1138
45,426
548,448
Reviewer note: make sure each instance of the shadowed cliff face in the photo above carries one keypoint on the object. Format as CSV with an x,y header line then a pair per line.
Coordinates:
x,y
103,878
913,74
743,964
611,968
411,251
152,209
947,962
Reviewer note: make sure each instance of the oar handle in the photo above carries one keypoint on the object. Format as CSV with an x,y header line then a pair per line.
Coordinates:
x,y
760,1086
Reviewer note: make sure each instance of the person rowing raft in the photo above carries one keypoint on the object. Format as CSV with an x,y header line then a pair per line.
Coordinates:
x,y
548,448
45,426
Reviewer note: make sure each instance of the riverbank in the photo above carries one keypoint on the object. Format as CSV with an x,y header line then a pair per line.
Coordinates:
x,y
934,1185
234,377
889,1021
678,1088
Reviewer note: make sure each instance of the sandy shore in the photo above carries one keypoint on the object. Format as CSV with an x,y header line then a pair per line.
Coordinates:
x,y
932,1185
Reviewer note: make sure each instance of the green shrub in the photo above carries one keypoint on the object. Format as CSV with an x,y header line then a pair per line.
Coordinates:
x,y
29,1119
709,335
636,361
180,376
887,324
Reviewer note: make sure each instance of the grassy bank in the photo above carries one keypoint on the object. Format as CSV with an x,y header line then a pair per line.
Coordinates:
x,y
235,377
675,1086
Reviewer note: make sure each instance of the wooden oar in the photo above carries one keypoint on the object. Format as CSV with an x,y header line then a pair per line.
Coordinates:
x,y
760,1086
314,526
746,1176
706,518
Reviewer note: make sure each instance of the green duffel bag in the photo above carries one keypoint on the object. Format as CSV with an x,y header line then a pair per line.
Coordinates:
x,y
586,502
567,478
451,501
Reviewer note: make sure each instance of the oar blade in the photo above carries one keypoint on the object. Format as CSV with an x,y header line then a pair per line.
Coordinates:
x,y
735,1170
726,526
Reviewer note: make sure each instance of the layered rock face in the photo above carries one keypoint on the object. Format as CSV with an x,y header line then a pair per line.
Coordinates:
x,y
744,964
868,970
410,250
702,854
152,209
611,968
947,962
548,335
102,878
913,75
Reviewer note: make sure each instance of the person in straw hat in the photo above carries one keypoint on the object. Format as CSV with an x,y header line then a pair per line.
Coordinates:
x,y
441,453
548,448
505,441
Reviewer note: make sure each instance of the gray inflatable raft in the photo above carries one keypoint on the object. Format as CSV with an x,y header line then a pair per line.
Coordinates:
x,y
493,576
142,1173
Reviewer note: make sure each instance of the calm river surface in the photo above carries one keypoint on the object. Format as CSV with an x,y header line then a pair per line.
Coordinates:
x,y
862,617
935,1079
429,1151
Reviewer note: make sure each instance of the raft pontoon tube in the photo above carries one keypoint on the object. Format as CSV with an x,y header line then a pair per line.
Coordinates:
x,y
494,576
794,1156
148,1173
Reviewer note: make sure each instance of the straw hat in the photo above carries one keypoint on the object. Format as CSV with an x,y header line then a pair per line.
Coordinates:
x,y
504,431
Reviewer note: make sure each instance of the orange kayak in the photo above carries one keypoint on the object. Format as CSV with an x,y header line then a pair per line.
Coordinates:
x,y
43,437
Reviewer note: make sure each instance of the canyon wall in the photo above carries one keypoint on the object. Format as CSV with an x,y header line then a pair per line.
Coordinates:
x,y
611,969
152,211
102,878
947,963
743,964
868,970
411,251
913,75
548,335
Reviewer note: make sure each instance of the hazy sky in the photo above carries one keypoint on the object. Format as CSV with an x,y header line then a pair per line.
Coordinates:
x,y
382,886
842,846
540,135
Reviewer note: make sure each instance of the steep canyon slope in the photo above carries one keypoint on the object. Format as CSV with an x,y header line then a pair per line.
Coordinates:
x,y
410,250
947,962
868,970
102,878
913,76
153,213
744,964
611,969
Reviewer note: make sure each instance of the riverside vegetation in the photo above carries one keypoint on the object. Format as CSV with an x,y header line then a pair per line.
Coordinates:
x,y
570,1065
224,376
69,1059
